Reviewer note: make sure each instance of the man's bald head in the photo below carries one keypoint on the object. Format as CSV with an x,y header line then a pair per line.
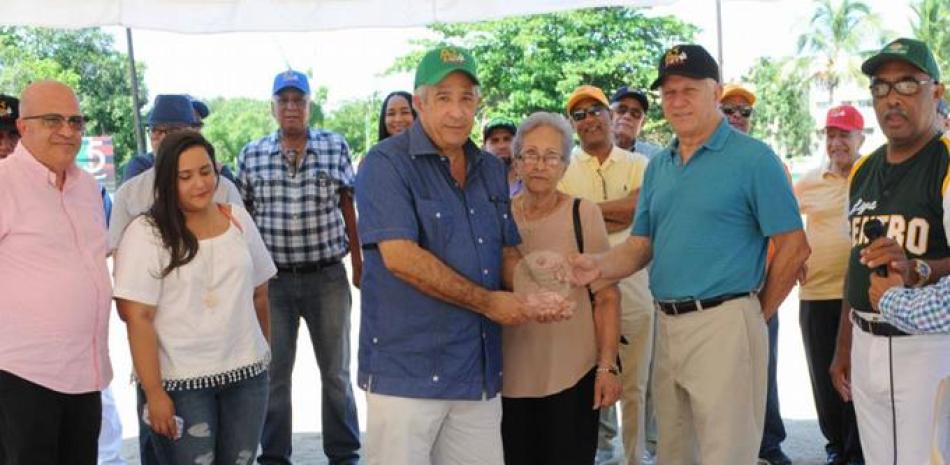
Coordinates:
x,y
45,110
38,96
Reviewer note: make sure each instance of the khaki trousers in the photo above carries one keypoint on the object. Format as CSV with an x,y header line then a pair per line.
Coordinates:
x,y
636,326
710,384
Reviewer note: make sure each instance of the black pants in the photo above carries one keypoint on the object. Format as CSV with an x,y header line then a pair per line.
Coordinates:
x,y
39,426
819,320
560,429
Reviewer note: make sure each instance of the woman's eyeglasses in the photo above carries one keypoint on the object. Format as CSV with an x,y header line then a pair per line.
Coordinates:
x,y
534,159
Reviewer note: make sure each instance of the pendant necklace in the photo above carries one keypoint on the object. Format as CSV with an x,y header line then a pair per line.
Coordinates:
x,y
211,298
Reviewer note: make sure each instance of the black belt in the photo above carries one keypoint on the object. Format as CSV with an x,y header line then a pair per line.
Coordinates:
x,y
305,268
877,328
679,307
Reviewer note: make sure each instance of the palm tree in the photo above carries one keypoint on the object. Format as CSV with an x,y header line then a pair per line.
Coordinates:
x,y
932,26
837,31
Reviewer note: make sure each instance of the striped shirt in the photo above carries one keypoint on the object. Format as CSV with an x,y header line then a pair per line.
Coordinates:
x,y
298,210
924,310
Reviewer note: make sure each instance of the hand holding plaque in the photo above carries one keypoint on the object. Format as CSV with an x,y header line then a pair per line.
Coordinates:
x,y
541,278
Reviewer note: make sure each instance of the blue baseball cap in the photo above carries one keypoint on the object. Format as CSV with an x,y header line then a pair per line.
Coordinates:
x,y
291,79
172,109
200,107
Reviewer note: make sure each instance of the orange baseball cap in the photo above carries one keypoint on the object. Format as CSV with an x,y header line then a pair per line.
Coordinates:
x,y
731,89
583,92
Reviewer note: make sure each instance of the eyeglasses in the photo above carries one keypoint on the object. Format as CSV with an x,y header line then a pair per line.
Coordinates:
x,y
730,110
635,113
534,159
579,115
166,130
56,121
907,86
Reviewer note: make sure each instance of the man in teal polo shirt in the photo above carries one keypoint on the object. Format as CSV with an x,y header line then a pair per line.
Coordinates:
x,y
708,207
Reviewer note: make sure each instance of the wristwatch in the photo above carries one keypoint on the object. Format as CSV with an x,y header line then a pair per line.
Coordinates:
x,y
923,271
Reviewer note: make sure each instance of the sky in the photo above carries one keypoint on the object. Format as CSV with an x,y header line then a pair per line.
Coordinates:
x,y
352,63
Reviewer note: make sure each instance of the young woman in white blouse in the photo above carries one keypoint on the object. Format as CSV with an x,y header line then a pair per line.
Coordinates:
x,y
191,284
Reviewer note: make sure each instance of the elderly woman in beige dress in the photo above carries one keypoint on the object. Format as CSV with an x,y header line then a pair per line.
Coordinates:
x,y
557,375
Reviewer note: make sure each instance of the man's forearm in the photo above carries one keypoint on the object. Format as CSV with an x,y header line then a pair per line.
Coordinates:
x,y
425,272
621,210
791,251
626,258
613,226
924,310
349,224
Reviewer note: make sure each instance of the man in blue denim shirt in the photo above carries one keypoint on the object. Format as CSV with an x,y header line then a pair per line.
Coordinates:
x,y
439,240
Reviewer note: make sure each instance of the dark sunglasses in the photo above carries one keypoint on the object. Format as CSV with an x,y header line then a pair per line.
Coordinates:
x,y
579,115
730,110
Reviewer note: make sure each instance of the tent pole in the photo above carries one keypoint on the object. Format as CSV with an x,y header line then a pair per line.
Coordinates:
x,y
136,100
719,36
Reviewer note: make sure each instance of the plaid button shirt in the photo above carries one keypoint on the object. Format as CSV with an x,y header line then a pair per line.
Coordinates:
x,y
298,211
917,311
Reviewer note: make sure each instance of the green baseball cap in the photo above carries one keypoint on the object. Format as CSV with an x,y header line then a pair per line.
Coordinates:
x,y
911,51
440,61
499,122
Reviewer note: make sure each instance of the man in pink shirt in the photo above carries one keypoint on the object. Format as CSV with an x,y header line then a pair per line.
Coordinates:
x,y
55,288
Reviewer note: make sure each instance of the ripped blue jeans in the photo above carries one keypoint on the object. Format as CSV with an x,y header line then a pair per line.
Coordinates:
x,y
222,424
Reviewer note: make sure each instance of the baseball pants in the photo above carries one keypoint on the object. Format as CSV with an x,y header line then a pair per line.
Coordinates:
x,y
894,382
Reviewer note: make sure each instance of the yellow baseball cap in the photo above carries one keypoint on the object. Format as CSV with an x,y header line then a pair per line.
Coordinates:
x,y
583,92
731,89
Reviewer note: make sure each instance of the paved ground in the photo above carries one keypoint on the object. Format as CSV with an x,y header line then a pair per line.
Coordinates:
x,y
804,444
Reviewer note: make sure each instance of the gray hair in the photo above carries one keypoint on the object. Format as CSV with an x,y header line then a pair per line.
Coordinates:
x,y
423,91
551,120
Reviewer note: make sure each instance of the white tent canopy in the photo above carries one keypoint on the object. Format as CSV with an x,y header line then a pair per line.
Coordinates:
x,y
204,16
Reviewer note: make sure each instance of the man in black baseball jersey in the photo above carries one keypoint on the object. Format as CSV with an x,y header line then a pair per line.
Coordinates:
x,y
891,376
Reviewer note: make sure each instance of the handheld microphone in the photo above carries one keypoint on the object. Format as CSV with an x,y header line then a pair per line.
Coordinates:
x,y
874,229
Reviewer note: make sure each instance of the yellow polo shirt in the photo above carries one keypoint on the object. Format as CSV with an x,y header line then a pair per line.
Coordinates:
x,y
621,173
822,198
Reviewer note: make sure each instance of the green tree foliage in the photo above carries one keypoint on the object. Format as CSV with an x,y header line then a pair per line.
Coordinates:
x,y
832,46
357,120
781,111
84,59
532,63
235,122
932,25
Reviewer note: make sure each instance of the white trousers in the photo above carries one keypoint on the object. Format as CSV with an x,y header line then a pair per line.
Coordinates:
x,y
110,436
406,431
894,383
